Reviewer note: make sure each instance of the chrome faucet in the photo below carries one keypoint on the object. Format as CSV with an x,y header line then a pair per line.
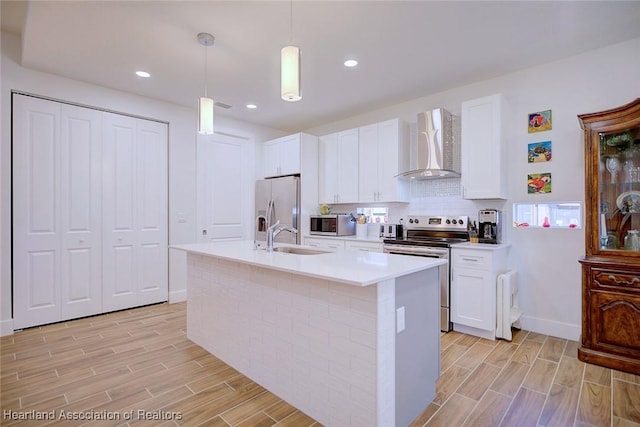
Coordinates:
x,y
274,230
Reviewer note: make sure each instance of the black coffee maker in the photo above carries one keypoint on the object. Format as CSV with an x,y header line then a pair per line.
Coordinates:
x,y
489,226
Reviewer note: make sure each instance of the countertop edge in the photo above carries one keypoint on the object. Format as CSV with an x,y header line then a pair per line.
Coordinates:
x,y
191,248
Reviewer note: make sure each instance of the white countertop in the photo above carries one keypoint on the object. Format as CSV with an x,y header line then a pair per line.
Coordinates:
x,y
351,267
481,246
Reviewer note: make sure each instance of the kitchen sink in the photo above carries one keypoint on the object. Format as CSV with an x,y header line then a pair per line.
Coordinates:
x,y
298,251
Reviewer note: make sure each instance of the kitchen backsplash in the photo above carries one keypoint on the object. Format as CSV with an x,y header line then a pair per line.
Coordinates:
x,y
435,197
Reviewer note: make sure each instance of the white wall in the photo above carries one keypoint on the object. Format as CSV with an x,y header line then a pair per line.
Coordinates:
x,y
545,259
182,153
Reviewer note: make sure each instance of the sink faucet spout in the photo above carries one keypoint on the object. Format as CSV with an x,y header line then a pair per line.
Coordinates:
x,y
276,229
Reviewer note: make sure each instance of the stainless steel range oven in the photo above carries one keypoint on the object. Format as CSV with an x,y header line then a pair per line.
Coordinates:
x,y
432,236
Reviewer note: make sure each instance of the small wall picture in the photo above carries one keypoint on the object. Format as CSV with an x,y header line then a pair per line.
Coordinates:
x,y
539,152
539,183
540,121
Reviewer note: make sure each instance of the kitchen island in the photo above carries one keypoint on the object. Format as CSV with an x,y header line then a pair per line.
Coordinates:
x,y
320,330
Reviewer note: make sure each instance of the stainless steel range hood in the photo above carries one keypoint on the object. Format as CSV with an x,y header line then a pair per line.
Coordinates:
x,y
435,147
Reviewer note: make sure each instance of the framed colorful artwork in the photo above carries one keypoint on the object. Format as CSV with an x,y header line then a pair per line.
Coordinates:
x,y
539,183
539,152
540,121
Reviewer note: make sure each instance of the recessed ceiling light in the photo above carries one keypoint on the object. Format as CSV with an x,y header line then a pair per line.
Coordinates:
x,y
143,74
350,63
251,106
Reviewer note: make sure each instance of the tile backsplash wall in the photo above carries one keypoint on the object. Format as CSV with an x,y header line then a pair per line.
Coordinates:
x,y
433,197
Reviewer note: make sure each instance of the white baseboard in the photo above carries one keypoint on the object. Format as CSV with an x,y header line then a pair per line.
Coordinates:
x,y
551,327
177,296
6,327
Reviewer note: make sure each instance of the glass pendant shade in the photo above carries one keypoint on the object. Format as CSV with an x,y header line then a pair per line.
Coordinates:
x,y
290,74
205,116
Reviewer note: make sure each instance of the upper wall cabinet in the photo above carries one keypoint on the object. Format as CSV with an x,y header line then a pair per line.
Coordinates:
x,y
282,156
483,148
338,167
382,154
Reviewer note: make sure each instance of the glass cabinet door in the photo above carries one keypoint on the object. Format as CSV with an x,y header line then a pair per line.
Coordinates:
x,y
619,190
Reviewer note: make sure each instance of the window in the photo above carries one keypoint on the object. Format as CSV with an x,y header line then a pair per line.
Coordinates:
x,y
375,215
551,215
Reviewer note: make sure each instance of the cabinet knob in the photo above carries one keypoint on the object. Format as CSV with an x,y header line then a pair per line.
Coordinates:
x,y
119,238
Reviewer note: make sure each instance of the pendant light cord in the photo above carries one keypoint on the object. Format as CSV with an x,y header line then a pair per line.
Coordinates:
x,y
291,22
206,62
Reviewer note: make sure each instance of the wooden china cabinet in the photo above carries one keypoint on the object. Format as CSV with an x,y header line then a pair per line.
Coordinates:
x,y
611,266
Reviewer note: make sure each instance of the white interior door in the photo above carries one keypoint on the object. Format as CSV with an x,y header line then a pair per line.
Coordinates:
x,y
135,253
152,208
222,180
81,216
36,211
120,240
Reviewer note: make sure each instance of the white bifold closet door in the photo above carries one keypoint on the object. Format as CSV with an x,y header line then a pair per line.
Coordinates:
x,y
57,182
89,211
135,253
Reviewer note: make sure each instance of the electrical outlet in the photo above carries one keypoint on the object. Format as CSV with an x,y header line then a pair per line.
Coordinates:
x,y
400,319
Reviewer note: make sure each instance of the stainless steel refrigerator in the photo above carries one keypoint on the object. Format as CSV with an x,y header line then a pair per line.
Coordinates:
x,y
278,199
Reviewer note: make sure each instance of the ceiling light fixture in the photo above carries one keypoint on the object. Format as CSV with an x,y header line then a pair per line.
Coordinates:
x,y
205,104
350,63
290,67
143,74
251,106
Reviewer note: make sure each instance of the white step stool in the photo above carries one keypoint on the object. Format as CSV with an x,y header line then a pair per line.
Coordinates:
x,y
508,312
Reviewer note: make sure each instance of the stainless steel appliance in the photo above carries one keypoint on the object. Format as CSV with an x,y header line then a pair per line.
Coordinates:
x,y
489,226
332,225
435,150
391,231
432,236
278,199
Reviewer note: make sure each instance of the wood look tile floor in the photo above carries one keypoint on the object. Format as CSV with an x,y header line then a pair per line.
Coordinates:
x,y
137,366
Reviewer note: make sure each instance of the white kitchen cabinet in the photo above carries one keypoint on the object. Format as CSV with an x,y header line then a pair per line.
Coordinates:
x,y
332,244
89,211
474,273
383,154
281,156
359,245
338,167
484,170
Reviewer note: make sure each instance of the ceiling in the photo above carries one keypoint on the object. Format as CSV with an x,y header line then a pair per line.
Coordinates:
x,y
405,49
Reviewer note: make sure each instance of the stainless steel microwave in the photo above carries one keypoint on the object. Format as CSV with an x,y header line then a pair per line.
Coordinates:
x,y
332,225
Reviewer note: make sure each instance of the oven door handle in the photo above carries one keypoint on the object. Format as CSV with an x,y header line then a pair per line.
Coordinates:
x,y
404,250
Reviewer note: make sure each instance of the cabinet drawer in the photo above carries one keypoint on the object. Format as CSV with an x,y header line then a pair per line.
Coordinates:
x,y
618,279
333,245
480,260
363,246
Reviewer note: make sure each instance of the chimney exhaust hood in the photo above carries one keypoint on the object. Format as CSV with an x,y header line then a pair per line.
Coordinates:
x,y
435,149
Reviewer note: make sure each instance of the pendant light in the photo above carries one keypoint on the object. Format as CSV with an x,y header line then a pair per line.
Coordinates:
x,y
205,104
290,67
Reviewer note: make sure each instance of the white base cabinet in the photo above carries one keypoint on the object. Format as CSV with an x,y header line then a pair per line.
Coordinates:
x,y
484,171
331,244
474,273
89,211
337,243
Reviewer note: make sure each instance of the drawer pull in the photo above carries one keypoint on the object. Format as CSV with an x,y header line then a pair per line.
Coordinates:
x,y
471,259
623,282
